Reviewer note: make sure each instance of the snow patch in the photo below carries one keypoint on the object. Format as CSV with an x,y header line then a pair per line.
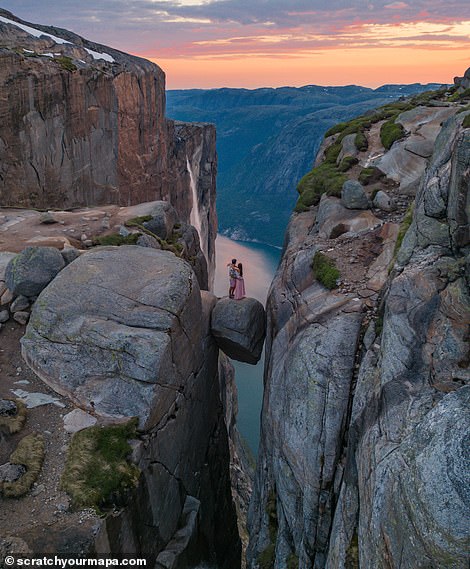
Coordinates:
x,y
32,31
97,55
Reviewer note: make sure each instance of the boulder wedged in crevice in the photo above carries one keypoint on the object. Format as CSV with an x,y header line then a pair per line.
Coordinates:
x,y
239,328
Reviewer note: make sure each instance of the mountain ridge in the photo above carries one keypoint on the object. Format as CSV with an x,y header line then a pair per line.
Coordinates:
x,y
261,130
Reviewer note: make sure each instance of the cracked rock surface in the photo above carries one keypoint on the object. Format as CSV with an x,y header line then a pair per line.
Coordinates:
x,y
363,460
118,331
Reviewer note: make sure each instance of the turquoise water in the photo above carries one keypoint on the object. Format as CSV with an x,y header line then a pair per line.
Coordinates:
x,y
259,265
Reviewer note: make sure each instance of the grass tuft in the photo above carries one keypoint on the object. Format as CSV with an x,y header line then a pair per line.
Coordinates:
x,y
390,132
66,63
116,239
466,122
30,453
14,423
347,163
370,175
325,178
404,226
361,141
325,270
137,221
97,472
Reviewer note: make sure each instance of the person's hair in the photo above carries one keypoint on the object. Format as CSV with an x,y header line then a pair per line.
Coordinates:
x,y
234,261
240,268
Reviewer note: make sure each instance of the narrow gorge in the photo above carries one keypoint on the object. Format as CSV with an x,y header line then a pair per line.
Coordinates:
x,y
118,401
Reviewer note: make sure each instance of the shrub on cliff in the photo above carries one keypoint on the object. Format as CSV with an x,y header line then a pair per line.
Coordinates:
x,y
325,271
390,132
325,178
347,163
361,141
97,472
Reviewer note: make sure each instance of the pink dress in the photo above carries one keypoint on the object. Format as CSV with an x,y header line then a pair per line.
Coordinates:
x,y
239,292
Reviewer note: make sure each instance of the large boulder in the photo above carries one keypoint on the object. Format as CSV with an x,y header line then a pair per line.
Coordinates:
x,y
353,195
239,328
29,272
119,332
163,219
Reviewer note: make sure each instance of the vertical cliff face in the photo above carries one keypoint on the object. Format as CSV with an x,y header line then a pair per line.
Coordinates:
x,y
363,460
82,124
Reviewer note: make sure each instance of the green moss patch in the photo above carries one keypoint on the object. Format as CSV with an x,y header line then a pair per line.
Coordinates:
x,y
30,453
370,175
267,557
325,178
65,62
292,561
404,226
97,472
347,163
14,423
137,221
390,132
116,239
325,271
332,153
466,122
361,142
460,95
352,553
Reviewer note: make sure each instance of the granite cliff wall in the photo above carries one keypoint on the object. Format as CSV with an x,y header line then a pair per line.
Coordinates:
x,y
363,460
83,125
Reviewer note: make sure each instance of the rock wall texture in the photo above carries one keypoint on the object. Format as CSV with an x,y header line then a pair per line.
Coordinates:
x,y
363,460
82,124
123,332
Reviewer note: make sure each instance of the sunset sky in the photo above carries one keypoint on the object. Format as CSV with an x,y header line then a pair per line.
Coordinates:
x,y
243,43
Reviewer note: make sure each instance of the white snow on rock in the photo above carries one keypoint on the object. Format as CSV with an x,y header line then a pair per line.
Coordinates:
x,y
97,55
38,33
32,31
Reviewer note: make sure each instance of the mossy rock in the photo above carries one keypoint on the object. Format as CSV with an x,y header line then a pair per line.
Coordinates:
x,y
370,175
325,178
14,423
325,271
347,163
267,557
116,239
361,142
97,472
404,226
390,132
137,221
292,561
332,153
29,453
66,63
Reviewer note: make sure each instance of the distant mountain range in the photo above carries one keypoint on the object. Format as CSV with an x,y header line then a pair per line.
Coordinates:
x,y
267,140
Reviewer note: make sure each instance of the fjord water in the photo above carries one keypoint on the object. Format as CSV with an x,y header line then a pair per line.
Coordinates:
x,y
259,265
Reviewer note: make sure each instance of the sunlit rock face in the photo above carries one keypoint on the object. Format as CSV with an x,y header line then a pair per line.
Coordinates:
x,y
83,124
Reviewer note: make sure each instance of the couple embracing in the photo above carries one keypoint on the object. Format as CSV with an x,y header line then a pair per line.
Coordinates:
x,y
237,284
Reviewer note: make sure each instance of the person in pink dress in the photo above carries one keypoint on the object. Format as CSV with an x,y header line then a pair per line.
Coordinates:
x,y
239,291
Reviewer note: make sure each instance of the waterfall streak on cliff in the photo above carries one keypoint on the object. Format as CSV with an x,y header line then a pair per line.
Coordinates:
x,y
195,217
